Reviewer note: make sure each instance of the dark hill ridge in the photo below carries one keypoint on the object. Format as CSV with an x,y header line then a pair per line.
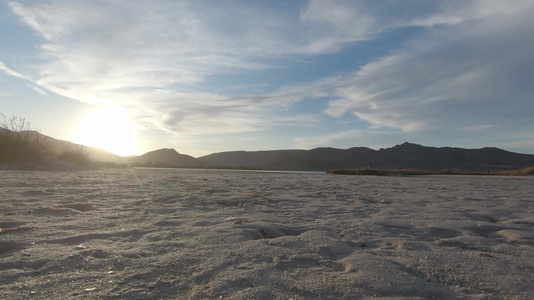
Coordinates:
x,y
315,159
410,155
406,155
56,147
166,157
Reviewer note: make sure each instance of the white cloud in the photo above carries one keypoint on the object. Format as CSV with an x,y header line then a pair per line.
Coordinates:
x,y
96,45
334,24
455,76
452,12
127,53
186,114
470,66
10,71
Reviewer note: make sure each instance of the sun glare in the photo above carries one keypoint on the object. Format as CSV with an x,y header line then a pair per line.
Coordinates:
x,y
108,129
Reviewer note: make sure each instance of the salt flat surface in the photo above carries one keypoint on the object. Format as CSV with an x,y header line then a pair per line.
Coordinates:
x,y
197,234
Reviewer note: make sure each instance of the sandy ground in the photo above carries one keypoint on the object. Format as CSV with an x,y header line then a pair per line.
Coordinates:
x,y
198,234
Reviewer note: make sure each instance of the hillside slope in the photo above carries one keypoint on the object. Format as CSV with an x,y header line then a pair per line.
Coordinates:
x,y
407,155
166,157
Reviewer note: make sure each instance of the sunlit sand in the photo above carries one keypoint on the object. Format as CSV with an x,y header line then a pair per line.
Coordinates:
x,y
198,234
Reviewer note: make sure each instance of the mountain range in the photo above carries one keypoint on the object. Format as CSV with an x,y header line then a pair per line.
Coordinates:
x,y
407,155
402,156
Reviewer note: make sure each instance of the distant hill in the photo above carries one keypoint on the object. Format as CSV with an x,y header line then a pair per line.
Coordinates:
x,y
410,155
165,157
58,146
161,157
315,159
407,155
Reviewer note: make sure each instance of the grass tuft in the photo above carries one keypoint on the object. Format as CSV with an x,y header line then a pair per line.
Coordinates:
x,y
79,156
19,143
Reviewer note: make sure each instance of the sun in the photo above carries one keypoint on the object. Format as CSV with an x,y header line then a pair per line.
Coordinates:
x,y
108,129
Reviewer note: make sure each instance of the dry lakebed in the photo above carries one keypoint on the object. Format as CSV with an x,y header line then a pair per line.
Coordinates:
x,y
216,234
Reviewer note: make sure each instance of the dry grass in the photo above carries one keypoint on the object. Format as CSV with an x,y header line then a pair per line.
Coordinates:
x,y
520,172
19,142
22,145
78,155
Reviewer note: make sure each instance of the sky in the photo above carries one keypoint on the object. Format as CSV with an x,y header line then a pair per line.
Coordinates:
x,y
132,76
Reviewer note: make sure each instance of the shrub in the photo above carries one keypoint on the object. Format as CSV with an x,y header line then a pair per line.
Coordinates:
x,y
521,172
19,143
79,156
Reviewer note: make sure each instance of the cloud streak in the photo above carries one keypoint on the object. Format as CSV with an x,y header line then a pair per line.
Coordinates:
x,y
465,68
10,71
461,74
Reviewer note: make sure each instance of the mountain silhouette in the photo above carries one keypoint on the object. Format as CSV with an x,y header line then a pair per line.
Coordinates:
x,y
56,147
166,157
406,155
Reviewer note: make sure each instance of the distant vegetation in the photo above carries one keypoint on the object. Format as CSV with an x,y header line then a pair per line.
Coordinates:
x,y
413,172
23,145
521,172
19,142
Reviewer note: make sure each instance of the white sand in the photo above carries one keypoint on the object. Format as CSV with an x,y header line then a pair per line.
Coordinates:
x,y
186,234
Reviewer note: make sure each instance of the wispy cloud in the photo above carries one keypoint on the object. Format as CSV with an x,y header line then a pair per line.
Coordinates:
x,y
143,57
465,74
10,71
467,67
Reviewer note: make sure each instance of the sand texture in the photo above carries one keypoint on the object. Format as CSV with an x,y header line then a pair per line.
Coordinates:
x,y
199,234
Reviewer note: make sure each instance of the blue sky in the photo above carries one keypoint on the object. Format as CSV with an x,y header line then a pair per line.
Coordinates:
x,y
212,76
